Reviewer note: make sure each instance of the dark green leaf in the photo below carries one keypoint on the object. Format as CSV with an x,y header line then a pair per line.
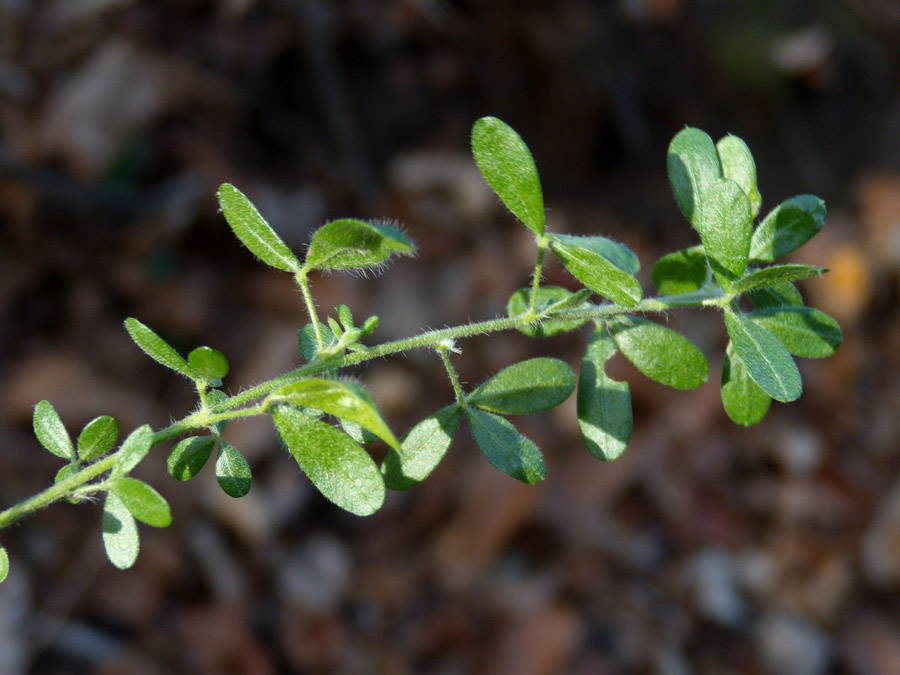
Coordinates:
x,y
787,227
4,564
208,364
506,448
120,533
306,340
344,400
526,387
738,165
681,272
422,449
659,352
744,400
51,432
553,298
693,165
253,230
156,348
588,263
725,223
802,330
354,244
784,294
189,456
232,471
508,167
143,502
774,275
98,437
342,471
767,361
133,450
604,404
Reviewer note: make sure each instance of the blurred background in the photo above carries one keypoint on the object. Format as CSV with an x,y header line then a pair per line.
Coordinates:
x,y
707,548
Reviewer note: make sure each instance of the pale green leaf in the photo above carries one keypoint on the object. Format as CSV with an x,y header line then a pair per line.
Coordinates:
x,y
232,471
98,437
354,244
659,352
767,361
423,448
549,298
189,455
680,272
693,165
604,404
745,402
725,223
51,432
738,165
787,227
804,331
506,448
156,348
526,387
208,364
133,450
143,502
590,265
774,275
120,534
345,316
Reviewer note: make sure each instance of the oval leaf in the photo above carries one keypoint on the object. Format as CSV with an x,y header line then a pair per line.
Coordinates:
x,y
422,450
354,244
133,450
804,331
774,275
725,223
156,348
738,165
693,164
745,402
208,364
526,387
508,167
344,400
120,533
552,298
659,352
588,263
253,230
768,362
787,227
506,448
604,404
143,502
50,431
189,456
681,272
783,294
4,564
232,471
341,470
98,437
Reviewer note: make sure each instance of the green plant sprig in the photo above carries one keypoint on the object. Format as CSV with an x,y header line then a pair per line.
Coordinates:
x,y
324,419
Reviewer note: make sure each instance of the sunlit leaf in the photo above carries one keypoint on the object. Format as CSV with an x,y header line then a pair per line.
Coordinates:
x,y
590,265
423,448
787,227
767,361
725,223
738,165
526,387
604,404
143,502
506,448
120,534
681,272
51,432
232,471
156,348
804,331
659,352
744,400
774,275
189,455
208,364
134,448
98,437
693,165
354,244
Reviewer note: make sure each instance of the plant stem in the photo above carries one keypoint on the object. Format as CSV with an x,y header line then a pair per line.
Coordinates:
x,y
302,278
536,280
451,371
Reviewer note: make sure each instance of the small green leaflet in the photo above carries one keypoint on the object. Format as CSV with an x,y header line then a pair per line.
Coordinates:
x,y
589,263
804,331
64,473
306,340
341,470
659,352
744,401
767,361
133,450
526,387
783,294
680,272
738,165
787,227
120,533
232,471
506,448
4,564
354,244
208,364
553,298
156,348
617,253
344,400
98,437
774,275
693,165
508,167
189,455
725,223
254,232
143,502
51,432
422,450
604,404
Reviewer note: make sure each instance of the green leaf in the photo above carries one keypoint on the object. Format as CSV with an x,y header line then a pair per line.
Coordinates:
x,y
357,433
369,325
787,227
64,473
587,259
345,316
725,223
804,331
738,165
506,448
98,437
617,253
4,564
745,402
133,450
783,294
774,275
120,533
51,432
344,400
552,298
768,362
680,272
341,470
693,165
156,348
508,167
306,340
422,450
208,364
232,471
335,327
526,387
254,232
189,456
213,398
659,352
354,244
143,502
604,404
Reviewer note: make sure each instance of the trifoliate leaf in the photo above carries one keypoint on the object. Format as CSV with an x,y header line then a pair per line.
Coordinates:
x,y
506,448
604,404
208,364
143,502
156,348
51,432
659,352
681,272
725,223
189,455
554,298
745,402
589,263
120,534
98,437
693,165
738,165
526,387
774,275
232,471
423,448
804,331
767,361
787,227
354,244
